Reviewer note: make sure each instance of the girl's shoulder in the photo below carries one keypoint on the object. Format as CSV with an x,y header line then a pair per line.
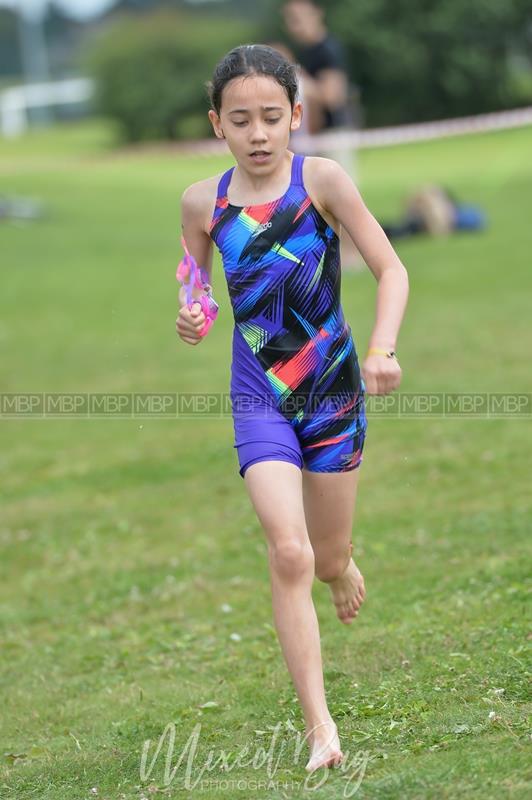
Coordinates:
x,y
319,176
199,200
318,171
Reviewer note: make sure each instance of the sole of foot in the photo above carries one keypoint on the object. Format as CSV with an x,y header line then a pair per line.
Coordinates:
x,y
348,593
324,747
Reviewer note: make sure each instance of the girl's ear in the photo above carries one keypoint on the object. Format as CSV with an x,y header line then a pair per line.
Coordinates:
x,y
297,116
216,124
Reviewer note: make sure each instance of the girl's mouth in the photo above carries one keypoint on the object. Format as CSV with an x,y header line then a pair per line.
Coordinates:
x,y
260,155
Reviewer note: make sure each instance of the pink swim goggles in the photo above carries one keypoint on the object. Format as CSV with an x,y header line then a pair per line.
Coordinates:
x,y
193,276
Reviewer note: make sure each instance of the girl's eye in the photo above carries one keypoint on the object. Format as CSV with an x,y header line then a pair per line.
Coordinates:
x,y
271,121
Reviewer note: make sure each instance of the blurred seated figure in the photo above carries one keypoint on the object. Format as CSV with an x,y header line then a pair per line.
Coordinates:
x,y
432,209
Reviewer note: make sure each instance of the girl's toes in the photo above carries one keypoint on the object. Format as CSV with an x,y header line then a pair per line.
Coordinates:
x,y
343,611
351,614
353,609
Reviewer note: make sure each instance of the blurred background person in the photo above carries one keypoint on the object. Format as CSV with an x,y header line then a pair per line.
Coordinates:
x,y
436,211
321,56
312,118
328,98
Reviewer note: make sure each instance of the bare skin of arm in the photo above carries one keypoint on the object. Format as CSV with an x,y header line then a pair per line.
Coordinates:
x,y
327,91
337,197
328,88
197,202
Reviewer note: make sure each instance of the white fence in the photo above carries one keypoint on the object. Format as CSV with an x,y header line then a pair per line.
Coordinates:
x,y
16,101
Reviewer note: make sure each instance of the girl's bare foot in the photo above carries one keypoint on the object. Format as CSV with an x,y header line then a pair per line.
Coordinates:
x,y
348,592
324,746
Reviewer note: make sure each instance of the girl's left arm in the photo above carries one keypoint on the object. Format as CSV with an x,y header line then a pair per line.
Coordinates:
x,y
341,198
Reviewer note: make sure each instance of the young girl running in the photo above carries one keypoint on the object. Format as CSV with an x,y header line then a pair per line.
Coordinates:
x,y
296,385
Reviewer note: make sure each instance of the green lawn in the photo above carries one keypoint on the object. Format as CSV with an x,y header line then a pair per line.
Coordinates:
x,y
121,539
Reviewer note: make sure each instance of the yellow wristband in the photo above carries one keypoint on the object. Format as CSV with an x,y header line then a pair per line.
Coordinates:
x,y
380,352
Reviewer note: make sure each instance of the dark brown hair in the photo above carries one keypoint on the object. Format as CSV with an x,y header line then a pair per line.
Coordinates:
x,y
252,59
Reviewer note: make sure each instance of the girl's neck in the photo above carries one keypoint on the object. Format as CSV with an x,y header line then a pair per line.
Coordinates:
x,y
246,183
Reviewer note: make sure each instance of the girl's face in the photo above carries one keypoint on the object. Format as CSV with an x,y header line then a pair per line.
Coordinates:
x,y
256,120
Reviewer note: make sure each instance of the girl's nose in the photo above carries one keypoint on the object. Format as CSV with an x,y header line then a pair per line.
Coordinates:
x,y
258,134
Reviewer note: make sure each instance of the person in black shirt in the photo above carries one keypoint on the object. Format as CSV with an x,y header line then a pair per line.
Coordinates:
x,y
326,93
322,58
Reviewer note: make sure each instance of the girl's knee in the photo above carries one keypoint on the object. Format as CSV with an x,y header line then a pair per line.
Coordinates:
x,y
291,557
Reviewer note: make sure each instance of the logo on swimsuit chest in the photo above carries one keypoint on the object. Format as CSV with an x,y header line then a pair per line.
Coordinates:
x,y
261,228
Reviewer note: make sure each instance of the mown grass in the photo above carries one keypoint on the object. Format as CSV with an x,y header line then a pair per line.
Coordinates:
x,y
123,538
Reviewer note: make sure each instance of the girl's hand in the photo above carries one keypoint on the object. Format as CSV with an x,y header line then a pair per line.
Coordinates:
x,y
381,374
189,321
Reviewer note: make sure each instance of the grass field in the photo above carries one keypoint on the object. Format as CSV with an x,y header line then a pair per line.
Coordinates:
x,y
123,540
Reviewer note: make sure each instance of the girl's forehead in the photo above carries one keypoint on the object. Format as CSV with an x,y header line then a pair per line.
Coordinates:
x,y
253,91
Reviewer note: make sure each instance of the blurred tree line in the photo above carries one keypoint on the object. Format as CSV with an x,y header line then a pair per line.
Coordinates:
x,y
151,73
411,60
427,59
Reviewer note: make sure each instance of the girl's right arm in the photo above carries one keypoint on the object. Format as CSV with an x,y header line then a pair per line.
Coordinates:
x,y
195,202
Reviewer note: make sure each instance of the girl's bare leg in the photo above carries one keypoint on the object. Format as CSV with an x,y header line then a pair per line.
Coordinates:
x,y
329,503
275,490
